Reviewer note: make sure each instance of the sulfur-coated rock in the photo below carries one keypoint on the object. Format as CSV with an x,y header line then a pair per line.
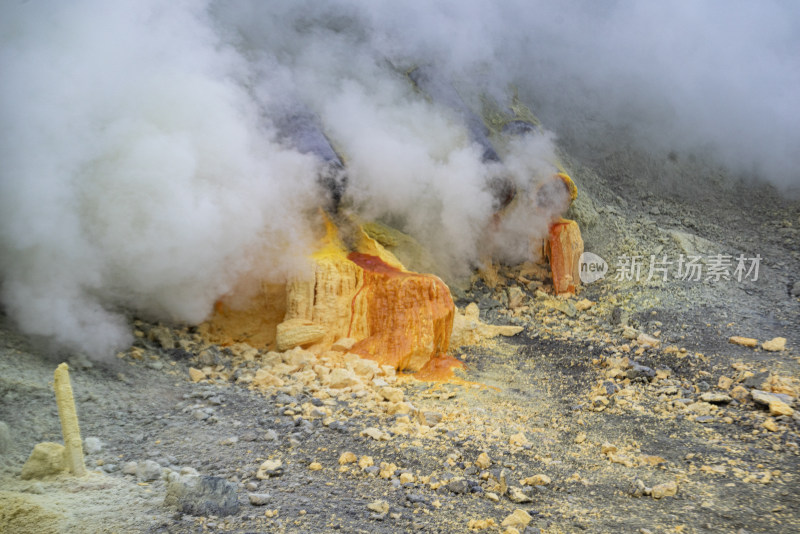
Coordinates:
x,y
46,459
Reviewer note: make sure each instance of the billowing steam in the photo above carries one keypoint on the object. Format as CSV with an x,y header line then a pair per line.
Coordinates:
x,y
144,168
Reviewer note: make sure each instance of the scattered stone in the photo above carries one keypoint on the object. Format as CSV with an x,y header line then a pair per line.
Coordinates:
x,y
376,434
492,496
518,496
392,394
407,478
580,438
645,339
314,466
430,418
770,424
778,407
638,371
458,486
365,462
583,305
148,470
536,480
202,495
774,345
196,375
715,398
270,468
46,459
342,378
483,461
380,506
347,458
481,524
520,518
259,499
129,468
724,382
387,470
739,393
638,489
763,397
667,489
518,440
743,341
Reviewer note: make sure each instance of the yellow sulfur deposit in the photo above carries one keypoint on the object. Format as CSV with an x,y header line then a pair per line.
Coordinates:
x,y
395,317
69,421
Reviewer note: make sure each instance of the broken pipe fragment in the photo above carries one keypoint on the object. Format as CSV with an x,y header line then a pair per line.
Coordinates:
x,y
69,421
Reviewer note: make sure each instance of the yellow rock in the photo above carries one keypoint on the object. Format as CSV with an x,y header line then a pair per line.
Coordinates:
x,y
518,440
744,341
664,490
380,506
365,461
47,459
196,375
770,425
483,461
314,466
391,394
406,478
342,378
739,393
774,345
481,524
778,407
536,480
387,470
347,458
520,518
724,382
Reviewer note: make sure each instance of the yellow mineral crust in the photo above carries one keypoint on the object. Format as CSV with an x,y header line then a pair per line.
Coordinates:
x,y
69,421
394,316
252,319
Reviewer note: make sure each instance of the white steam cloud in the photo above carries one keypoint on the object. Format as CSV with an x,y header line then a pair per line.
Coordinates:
x,y
142,169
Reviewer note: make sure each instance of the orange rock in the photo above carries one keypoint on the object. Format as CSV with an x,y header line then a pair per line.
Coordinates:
x,y
409,316
564,249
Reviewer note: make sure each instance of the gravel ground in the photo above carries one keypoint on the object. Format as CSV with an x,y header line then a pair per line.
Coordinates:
x,y
625,409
